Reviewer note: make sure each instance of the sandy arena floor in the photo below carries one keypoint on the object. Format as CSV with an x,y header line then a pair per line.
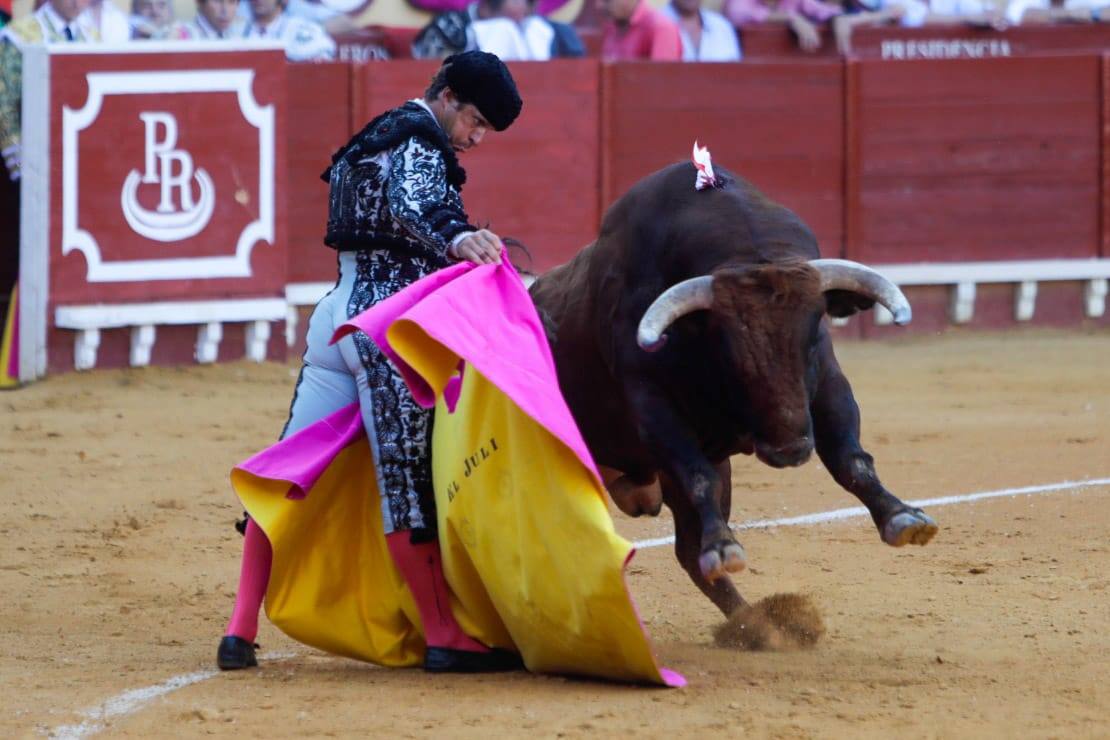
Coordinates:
x,y
118,565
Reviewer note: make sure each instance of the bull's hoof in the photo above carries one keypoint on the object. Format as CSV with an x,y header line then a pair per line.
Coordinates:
x,y
721,559
909,527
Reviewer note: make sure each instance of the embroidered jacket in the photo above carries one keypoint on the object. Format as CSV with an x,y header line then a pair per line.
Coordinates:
x,y
396,186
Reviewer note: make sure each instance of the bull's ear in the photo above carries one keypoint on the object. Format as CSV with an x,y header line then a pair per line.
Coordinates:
x,y
843,303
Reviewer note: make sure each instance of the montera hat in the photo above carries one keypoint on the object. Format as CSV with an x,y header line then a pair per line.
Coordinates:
x,y
482,79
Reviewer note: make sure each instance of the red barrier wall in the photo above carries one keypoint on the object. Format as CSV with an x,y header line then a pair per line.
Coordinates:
x,y
319,123
779,125
537,181
974,160
776,42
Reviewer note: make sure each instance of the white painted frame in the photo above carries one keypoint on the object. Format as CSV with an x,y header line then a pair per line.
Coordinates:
x,y
34,214
102,84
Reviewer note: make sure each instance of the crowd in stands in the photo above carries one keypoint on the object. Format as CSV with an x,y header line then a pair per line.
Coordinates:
x,y
521,30
515,30
297,25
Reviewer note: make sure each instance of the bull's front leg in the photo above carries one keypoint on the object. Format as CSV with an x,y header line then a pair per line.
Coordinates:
x,y
836,427
682,460
687,541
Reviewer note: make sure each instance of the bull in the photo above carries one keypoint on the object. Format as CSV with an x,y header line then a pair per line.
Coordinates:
x,y
692,330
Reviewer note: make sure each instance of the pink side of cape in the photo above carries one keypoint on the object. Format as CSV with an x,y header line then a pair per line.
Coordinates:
x,y
485,315
301,458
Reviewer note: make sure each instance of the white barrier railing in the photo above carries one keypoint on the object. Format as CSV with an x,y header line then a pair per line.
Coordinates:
x,y
963,277
143,318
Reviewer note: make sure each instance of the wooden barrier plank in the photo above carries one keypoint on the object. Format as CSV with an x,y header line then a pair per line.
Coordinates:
x,y
781,126
978,160
537,181
776,42
319,123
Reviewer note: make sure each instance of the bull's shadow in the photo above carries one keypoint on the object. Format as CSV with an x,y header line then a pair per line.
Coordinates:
x,y
693,329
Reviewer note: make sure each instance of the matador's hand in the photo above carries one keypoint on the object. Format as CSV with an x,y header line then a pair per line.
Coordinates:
x,y
481,247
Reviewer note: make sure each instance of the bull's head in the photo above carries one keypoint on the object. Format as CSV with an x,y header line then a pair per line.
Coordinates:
x,y
769,317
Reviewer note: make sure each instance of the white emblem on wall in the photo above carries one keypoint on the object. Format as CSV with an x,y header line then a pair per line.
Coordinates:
x,y
172,170
177,216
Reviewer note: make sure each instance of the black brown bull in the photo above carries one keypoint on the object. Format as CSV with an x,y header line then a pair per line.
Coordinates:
x,y
693,330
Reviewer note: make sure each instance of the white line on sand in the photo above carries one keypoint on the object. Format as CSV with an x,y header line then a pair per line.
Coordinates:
x,y
130,702
829,516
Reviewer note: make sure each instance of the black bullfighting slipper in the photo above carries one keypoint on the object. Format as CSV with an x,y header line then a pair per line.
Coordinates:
x,y
235,653
450,660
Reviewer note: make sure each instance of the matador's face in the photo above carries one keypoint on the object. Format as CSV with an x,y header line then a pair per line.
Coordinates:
x,y
464,124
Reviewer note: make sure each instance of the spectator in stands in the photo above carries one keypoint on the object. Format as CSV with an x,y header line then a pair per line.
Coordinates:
x,y
155,19
56,21
449,32
707,36
111,24
304,40
908,13
802,17
1070,11
334,21
514,32
637,31
216,19
912,13
544,7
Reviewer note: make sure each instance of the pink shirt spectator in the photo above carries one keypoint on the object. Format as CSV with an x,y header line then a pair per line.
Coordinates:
x,y
750,12
648,35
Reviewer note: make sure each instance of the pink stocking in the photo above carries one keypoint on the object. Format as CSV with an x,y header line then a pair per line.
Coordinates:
x,y
422,569
254,575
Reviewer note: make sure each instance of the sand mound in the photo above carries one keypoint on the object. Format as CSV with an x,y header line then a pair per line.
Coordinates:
x,y
778,622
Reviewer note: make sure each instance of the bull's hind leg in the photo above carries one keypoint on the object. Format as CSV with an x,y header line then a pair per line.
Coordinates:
x,y
836,426
633,496
687,545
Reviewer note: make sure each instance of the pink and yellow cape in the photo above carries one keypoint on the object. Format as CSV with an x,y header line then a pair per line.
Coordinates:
x,y
529,548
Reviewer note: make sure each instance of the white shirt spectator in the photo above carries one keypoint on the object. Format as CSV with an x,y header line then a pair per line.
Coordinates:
x,y
111,23
718,38
530,41
313,11
914,11
304,40
200,28
54,28
1015,9
959,7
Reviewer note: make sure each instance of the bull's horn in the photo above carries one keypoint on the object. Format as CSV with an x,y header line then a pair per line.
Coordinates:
x,y
690,295
849,275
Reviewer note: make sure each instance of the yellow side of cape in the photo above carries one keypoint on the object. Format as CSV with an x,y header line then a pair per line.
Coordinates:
x,y
7,339
529,548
